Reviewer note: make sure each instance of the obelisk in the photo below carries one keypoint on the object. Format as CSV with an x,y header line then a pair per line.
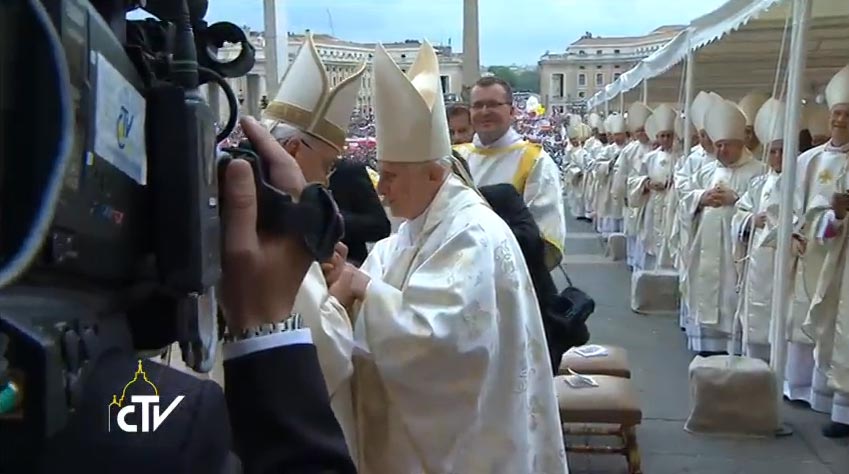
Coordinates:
x,y
471,46
276,45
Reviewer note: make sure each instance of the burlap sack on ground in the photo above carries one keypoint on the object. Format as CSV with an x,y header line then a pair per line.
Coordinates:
x,y
732,395
654,292
617,247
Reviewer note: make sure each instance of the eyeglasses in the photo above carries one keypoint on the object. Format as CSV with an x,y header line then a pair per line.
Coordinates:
x,y
488,105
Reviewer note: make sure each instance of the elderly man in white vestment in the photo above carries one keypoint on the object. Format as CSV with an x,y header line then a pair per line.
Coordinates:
x,y
755,226
648,187
594,146
625,168
451,371
498,154
712,262
573,173
309,118
825,187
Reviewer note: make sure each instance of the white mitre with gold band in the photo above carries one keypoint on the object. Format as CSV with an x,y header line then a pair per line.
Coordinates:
x,y
596,122
307,102
837,90
698,108
750,104
725,121
615,124
769,123
661,120
410,119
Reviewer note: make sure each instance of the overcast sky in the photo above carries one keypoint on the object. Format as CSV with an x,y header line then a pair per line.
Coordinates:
x,y
511,31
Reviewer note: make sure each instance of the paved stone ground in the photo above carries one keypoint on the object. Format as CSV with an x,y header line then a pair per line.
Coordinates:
x,y
659,361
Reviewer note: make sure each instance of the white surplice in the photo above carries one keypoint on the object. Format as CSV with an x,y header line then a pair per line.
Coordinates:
x,y
333,338
712,262
828,319
573,181
533,173
454,375
754,308
594,147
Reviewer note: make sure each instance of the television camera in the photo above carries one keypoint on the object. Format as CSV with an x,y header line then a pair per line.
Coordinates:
x,y
108,196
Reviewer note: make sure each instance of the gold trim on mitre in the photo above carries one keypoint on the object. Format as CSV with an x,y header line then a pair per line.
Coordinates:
x,y
410,119
837,90
305,99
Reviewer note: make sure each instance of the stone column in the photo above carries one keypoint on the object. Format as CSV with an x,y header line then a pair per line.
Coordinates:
x,y
471,46
252,96
276,45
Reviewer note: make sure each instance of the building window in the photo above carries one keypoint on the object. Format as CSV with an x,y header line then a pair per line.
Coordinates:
x,y
598,67
582,52
616,66
582,80
616,75
599,79
615,51
581,67
557,85
446,83
598,51
581,95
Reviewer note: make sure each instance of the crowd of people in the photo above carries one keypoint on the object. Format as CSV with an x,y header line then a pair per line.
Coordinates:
x,y
711,213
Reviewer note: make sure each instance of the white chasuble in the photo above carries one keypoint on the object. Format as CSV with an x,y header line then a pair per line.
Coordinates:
x,y
594,147
453,374
534,175
626,169
828,319
754,309
657,167
333,338
573,181
609,206
712,261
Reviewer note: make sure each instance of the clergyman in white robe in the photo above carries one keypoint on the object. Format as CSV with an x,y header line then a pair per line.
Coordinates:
x,y
451,370
712,261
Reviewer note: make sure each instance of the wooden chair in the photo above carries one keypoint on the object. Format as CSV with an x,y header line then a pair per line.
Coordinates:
x,y
615,363
614,404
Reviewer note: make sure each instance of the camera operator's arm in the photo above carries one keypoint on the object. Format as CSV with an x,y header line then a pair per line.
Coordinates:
x,y
278,403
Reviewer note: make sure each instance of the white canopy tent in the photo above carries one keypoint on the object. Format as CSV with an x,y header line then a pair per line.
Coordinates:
x,y
736,49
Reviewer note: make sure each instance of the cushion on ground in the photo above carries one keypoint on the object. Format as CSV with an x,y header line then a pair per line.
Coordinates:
x,y
654,292
615,363
617,247
613,401
732,395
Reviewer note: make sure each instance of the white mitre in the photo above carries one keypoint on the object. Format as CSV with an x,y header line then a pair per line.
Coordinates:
x,y
638,113
615,124
409,111
585,131
574,131
817,120
307,102
769,123
713,98
697,109
596,122
661,120
837,90
750,104
725,121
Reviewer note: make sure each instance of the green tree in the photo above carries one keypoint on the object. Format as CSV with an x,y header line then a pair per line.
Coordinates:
x,y
525,80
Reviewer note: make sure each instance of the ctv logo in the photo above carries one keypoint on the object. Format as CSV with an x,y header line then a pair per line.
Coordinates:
x,y
142,413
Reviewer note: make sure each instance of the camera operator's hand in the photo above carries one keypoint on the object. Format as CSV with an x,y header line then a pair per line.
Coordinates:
x,y
333,268
262,274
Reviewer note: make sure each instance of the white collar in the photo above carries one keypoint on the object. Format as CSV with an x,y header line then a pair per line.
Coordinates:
x,y
509,138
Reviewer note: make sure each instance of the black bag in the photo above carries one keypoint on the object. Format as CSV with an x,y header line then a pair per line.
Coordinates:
x,y
565,320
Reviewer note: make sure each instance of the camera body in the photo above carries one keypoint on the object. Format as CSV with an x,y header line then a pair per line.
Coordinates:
x,y
129,257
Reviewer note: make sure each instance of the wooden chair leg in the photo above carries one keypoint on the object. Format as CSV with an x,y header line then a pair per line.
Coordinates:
x,y
633,450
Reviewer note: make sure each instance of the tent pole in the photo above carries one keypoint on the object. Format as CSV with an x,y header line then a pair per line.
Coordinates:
x,y
688,101
646,91
797,61
622,103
